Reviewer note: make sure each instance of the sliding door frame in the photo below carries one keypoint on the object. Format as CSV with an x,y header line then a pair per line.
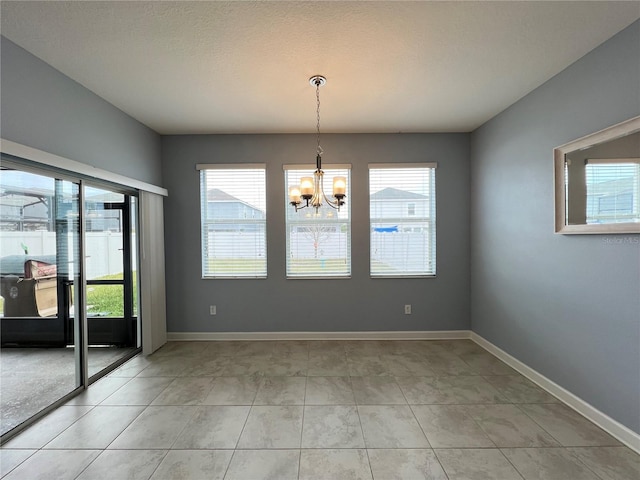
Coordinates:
x,y
43,163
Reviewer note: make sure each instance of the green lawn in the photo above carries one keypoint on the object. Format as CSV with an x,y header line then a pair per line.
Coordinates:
x,y
227,265
310,266
313,266
384,267
105,300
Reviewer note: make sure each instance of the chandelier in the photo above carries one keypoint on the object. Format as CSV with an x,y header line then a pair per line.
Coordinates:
x,y
311,189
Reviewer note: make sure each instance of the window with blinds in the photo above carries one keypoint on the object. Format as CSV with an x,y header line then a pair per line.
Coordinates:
x,y
402,205
233,221
318,243
613,190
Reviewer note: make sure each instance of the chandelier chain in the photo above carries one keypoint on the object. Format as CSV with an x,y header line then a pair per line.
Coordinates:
x,y
319,149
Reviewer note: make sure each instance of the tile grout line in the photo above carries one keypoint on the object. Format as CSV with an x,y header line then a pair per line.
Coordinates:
x,y
511,463
538,424
421,428
304,407
23,461
583,463
133,420
509,401
235,449
561,445
88,465
166,453
364,440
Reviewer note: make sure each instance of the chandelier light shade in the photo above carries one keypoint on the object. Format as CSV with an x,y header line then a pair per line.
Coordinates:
x,y
311,189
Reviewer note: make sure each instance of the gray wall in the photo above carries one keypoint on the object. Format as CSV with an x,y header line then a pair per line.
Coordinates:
x,y
44,109
277,304
567,306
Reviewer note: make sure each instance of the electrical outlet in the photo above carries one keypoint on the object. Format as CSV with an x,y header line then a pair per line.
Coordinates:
x,y
407,309
212,309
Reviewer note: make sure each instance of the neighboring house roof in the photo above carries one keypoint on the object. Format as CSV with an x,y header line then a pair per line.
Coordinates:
x,y
217,195
390,193
611,187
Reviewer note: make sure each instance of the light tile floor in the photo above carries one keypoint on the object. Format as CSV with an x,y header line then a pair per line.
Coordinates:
x,y
316,410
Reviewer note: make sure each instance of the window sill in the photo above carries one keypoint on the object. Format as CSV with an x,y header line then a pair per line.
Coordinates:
x,y
375,277
319,278
234,277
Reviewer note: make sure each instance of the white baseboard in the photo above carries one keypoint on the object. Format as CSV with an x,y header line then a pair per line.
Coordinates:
x,y
608,424
391,335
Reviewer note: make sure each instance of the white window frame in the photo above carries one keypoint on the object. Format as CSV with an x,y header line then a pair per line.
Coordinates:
x,y
206,223
629,163
330,170
407,224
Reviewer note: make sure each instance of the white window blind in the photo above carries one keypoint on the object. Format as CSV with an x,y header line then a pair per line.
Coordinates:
x,y
402,203
233,221
318,244
613,190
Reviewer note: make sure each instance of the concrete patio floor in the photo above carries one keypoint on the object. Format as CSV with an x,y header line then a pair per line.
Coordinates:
x,y
33,378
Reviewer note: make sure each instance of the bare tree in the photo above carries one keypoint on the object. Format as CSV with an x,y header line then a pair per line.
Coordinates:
x,y
318,234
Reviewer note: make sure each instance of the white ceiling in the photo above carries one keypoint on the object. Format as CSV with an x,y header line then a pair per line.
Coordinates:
x,y
243,67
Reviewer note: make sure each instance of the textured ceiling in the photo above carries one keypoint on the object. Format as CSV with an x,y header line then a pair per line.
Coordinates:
x,y
243,67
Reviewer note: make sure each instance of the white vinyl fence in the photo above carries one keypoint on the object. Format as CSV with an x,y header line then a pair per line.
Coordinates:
x,y
332,246
235,245
404,251
103,249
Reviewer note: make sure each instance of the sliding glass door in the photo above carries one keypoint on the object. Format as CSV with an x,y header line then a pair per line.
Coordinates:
x,y
40,272
68,286
111,259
